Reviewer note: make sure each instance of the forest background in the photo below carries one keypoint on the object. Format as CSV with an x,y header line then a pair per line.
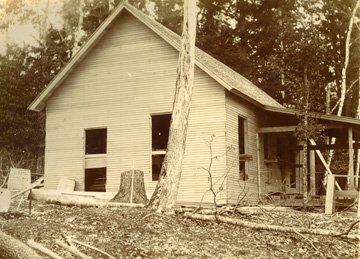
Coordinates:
x,y
278,45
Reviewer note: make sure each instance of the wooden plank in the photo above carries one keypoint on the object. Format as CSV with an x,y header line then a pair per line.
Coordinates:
x,y
333,146
95,162
330,191
344,194
276,129
322,159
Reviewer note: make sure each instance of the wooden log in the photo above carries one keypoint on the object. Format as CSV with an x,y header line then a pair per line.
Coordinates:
x,y
92,203
43,249
12,248
132,188
262,226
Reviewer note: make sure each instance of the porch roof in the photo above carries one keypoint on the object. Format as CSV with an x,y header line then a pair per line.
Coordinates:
x,y
333,119
286,120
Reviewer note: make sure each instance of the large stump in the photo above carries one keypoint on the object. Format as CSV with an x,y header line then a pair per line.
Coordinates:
x,y
134,178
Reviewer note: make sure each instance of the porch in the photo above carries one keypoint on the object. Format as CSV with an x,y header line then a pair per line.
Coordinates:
x,y
277,129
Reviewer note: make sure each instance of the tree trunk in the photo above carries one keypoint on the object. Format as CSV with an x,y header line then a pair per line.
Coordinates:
x,y
132,188
357,116
165,195
43,26
344,70
347,56
305,147
77,33
12,248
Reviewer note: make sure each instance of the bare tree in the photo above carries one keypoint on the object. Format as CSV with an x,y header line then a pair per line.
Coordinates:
x,y
78,31
165,195
343,75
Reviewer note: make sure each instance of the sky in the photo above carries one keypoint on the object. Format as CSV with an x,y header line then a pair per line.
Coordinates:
x,y
21,29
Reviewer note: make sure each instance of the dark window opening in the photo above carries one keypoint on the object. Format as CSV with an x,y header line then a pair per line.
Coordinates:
x,y
160,125
95,140
241,143
160,131
157,161
95,179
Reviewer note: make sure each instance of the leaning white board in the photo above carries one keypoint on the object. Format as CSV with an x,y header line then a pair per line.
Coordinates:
x,y
19,179
4,200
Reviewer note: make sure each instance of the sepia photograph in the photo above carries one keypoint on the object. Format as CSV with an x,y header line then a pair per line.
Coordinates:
x,y
179,129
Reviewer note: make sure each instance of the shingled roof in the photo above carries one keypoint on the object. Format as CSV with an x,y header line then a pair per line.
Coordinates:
x,y
224,75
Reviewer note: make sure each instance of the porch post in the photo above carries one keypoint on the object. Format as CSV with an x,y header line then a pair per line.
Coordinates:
x,y
312,172
258,165
350,179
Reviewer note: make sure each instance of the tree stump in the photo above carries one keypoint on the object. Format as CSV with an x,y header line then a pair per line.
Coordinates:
x,y
124,193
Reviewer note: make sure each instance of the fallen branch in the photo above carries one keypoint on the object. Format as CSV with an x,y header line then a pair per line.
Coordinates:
x,y
71,248
93,248
311,243
39,247
348,231
262,226
242,210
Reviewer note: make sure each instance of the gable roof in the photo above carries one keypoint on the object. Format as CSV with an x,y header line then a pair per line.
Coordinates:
x,y
228,78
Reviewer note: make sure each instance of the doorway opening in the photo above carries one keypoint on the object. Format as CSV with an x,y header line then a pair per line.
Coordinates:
x,y
95,159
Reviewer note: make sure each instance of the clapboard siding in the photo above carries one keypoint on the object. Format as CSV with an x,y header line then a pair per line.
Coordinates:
x,y
129,75
237,188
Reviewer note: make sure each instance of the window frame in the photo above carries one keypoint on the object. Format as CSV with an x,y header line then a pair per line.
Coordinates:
x,y
95,155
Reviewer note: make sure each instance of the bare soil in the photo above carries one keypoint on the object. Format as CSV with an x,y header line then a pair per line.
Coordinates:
x,y
140,233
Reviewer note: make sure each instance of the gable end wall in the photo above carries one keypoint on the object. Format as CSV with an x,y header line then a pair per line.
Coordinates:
x,y
129,75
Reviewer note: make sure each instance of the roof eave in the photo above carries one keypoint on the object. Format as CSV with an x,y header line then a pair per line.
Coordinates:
x,y
335,118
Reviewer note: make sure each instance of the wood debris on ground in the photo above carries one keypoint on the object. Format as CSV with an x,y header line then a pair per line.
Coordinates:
x,y
124,232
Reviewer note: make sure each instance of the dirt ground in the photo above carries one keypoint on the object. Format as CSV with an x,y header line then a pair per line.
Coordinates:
x,y
139,233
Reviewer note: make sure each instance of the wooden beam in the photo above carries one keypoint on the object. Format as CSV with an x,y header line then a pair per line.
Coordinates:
x,y
334,146
350,181
312,172
322,159
292,128
276,129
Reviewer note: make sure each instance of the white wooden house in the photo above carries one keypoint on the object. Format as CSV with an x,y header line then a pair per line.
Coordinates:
x,y
109,109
